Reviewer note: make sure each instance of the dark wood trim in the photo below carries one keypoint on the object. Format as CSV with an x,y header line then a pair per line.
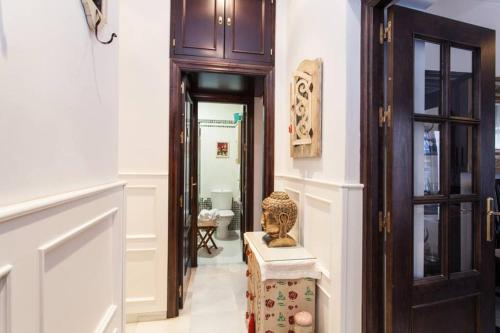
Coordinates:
x,y
177,67
372,97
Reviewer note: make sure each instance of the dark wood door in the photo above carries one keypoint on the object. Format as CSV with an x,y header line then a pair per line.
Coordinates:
x,y
188,209
199,27
249,30
440,170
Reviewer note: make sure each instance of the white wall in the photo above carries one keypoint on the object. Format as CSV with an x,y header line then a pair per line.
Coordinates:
x,y
61,209
479,12
326,189
143,151
58,100
218,173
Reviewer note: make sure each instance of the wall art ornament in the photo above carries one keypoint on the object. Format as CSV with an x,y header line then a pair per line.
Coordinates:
x,y
305,110
222,149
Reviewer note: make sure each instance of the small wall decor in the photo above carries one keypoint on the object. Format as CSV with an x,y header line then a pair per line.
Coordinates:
x,y
222,149
497,90
305,128
94,13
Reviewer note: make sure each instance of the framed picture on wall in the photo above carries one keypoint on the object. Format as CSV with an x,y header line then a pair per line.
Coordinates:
x,y
222,149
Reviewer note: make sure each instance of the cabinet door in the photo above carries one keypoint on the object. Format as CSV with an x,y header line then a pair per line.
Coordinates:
x,y
199,28
249,30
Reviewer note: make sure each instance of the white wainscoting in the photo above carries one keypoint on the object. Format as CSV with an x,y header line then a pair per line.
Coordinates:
x,y
330,227
146,284
62,263
5,300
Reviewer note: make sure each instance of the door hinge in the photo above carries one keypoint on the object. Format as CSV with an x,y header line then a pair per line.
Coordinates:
x,y
181,201
384,116
272,2
183,88
271,52
384,222
173,42
385,33
180,291
181,137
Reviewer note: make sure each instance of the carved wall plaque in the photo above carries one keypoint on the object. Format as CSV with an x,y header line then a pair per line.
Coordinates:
x,y
305,104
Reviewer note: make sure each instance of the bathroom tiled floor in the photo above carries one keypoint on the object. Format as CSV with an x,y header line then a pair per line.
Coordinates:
x,y
215,301
229,251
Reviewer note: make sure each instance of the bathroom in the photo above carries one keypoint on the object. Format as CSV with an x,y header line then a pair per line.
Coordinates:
x,y
219,179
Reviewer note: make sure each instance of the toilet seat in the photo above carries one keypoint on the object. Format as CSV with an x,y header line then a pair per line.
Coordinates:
x,y
226,213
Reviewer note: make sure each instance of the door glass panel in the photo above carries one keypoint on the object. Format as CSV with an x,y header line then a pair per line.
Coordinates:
x,y
461,239
461,159
427,76
461,83
426,158
426,240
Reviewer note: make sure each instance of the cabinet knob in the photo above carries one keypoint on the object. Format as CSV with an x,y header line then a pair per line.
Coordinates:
x,y
221,20
229,21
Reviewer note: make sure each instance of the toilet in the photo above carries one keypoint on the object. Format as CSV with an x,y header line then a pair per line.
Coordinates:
x,y
222,200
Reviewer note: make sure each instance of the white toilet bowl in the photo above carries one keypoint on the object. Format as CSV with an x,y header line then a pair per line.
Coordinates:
x,y
223,221
222,200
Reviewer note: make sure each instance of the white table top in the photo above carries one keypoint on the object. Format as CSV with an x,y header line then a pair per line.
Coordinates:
x,y
282,262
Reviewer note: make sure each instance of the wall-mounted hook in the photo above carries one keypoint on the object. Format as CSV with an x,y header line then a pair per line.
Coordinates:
x,y
96,30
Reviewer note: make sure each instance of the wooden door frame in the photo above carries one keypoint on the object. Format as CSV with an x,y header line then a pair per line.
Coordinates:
x,y
177,67
249,102
372,97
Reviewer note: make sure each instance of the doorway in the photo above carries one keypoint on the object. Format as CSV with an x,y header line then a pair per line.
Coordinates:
x,y
195,85
429,169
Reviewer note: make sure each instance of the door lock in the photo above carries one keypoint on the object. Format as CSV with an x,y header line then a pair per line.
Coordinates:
x,y
489,219
229,21
221,20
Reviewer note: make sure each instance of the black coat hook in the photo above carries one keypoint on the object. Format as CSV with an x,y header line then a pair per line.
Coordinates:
x,y
113,35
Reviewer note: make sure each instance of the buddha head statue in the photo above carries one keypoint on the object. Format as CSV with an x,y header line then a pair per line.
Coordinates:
x,y
279,214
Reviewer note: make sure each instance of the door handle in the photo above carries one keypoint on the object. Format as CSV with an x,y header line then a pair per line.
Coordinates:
x,y
229,21
489,219
221,20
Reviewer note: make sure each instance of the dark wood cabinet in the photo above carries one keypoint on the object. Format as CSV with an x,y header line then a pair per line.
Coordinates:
x,y
249,30
225,29
199,27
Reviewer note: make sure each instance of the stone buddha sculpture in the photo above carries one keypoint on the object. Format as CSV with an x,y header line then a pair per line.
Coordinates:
x,y
278,218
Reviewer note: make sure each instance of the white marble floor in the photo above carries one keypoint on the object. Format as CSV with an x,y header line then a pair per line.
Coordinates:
x,y
215,301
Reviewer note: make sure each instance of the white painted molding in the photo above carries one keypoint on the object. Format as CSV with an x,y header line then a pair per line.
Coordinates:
x,y
292,190
141,299
57,242
106,319
4,276
323,270
141,237
320,182
142,174
147,249
4,271
141,187
320,199
322,289
29,207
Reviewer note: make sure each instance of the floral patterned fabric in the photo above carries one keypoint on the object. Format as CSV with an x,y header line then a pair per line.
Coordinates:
x,y
275,302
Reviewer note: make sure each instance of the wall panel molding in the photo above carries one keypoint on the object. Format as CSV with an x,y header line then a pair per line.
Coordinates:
x,y
143,174
320,182
106,319
57,242
29,207
5,299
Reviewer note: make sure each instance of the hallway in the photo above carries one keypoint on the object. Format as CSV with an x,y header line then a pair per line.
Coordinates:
x,y
214,289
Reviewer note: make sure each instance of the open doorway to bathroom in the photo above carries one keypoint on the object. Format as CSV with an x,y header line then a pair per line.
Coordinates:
x,y
222,162
222,135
